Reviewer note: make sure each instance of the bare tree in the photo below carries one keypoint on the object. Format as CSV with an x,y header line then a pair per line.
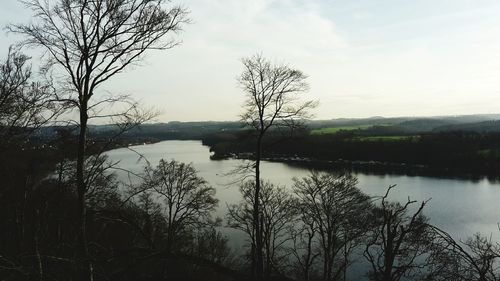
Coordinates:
x,y
150,222
277,214
273,100
211,244
91,41
398,245
26,103
477,258
304,247
186,199
336,208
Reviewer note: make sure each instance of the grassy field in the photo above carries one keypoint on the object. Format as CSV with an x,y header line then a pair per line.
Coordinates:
x,y
374,138
386,138
334,130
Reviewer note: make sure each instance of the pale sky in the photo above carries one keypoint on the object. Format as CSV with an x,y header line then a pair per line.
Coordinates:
x,y
363,57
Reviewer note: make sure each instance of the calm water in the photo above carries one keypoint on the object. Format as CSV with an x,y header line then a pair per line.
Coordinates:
x,y
460,207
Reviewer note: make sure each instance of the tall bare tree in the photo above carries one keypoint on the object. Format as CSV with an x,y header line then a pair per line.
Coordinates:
x,y
91,41
273,100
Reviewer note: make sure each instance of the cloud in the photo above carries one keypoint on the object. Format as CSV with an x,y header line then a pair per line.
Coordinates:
x,y
362,58
281,27
194,79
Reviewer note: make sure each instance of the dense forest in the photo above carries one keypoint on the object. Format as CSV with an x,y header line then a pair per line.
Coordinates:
x,y
455,153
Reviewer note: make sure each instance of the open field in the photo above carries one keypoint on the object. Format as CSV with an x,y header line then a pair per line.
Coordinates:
x,y
334,130
387,138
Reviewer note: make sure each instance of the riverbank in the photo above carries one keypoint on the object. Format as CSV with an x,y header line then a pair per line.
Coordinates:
x,y
461,155
369,167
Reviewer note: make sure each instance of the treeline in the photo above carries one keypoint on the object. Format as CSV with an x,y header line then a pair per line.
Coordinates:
x,y
453,153
146,132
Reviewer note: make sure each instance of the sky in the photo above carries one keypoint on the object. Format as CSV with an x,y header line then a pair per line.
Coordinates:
x,y
363,58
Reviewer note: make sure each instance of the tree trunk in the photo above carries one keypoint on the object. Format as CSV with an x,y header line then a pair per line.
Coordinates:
x,y
268,252
344,278
325,270
329,258
389,254
259,258
82,189
39,263
309,258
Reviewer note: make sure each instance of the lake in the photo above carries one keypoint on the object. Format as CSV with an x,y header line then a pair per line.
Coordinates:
x,y
460,207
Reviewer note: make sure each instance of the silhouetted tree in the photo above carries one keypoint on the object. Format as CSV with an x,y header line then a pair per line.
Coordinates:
x,y
212,245
336,209
185,198
277,214
272,93
399,243
26,103
91,41
304,247
476,259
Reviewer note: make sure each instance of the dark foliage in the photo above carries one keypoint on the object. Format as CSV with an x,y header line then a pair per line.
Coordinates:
x,y
453,153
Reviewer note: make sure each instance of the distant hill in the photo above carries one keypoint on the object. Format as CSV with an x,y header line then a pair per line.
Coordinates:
x,y
373,125
479,127
344,122
412,125
160,131
422,125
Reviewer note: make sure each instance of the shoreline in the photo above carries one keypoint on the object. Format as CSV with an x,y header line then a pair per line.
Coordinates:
x,y
370,167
